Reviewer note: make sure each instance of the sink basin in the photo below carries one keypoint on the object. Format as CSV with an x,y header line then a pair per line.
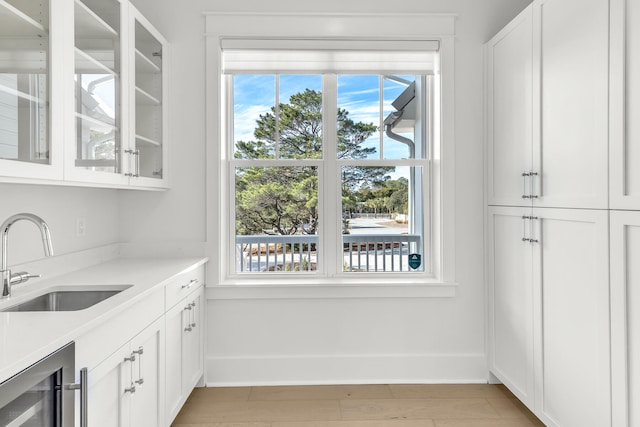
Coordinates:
x,y
68,299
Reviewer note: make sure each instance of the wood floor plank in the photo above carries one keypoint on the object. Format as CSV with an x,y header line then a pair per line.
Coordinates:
x,y
507,408
368,423
321,392
219,394
470,405
484,423
448,391
301,410
399,409
223,425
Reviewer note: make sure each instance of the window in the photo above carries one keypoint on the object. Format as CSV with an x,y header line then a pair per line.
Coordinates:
x,y
330,193
330,134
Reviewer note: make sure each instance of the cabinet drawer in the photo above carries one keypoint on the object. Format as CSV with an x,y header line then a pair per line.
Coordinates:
x,y
183,285
99,343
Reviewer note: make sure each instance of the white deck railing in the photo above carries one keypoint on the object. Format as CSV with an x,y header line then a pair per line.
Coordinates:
x,y
379,252
294,253
266,253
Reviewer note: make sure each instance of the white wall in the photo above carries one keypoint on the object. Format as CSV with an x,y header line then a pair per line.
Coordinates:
x,y
59,207
253,341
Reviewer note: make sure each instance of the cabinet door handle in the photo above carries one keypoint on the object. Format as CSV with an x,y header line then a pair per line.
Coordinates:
x,y
524,185
190,284
131,389
135,173
533,218
83,386
139,352
136,153
193,314
524,228
189,308
532,194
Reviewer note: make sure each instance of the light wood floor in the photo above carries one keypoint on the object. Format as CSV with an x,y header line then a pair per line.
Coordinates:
x,y
473,405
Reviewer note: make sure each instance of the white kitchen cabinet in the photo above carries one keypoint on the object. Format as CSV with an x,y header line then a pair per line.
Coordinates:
x,y
31,132
185,352
120,123
107,405
509,57
547,107
625,105
104,121
549,311
571,277
573,99
148,94
127,388
511,292
96,153
625,299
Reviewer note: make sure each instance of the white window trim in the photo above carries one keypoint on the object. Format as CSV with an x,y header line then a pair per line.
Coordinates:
x,y
383,27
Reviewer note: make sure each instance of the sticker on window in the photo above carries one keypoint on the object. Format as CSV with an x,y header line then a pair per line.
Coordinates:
x,y
415,260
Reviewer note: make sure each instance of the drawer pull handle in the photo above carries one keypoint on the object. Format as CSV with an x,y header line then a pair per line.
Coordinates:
x,y
190,284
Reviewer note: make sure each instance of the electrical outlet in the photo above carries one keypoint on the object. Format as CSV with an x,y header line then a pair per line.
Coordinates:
x,y
81,227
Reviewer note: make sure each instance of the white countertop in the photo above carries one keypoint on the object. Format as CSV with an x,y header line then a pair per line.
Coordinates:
x,y
26,337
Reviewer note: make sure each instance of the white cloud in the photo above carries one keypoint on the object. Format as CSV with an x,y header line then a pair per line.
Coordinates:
x,y
245,118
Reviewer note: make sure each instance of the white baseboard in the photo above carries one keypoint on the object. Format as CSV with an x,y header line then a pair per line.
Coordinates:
x,y
346,369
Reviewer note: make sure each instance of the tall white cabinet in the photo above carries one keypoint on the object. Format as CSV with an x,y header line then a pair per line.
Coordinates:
x,y
547,198
625,214
571,103
511,300
572,361
625,300
510,94
625,105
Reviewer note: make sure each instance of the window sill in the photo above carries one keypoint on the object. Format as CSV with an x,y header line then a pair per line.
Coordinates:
x,y
332,290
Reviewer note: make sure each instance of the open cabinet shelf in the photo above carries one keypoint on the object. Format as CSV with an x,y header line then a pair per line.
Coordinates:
x,y
89,25
92,63
21,95
16,23
145,65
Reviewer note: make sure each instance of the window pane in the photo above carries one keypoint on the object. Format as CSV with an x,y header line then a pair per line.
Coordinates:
x,y
254,100
358,117
382,219
401,117
276,218
300,119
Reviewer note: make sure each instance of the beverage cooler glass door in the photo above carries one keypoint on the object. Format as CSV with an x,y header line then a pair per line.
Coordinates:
x,y
37,395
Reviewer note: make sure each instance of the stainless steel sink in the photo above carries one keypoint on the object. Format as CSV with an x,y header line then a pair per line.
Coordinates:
x,y
68,299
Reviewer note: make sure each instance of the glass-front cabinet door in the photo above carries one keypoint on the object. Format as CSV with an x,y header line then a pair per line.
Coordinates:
x,y
27,126
148,120
98,151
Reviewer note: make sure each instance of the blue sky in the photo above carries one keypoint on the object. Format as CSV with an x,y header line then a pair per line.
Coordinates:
x,y
358,94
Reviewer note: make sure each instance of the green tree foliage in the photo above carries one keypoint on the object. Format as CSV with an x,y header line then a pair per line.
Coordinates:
x,y
278,200
284,200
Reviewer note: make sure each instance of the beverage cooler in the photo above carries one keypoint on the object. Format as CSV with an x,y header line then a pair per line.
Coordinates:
x,y
43,394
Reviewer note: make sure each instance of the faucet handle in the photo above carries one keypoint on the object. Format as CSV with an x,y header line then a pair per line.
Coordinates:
x,y
22,276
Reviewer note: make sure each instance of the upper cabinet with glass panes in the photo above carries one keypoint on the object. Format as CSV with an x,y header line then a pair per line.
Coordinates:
x,y
148,93
25,91
97,151
103,121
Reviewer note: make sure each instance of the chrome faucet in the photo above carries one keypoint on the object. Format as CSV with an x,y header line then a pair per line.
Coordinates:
x,y
9,279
